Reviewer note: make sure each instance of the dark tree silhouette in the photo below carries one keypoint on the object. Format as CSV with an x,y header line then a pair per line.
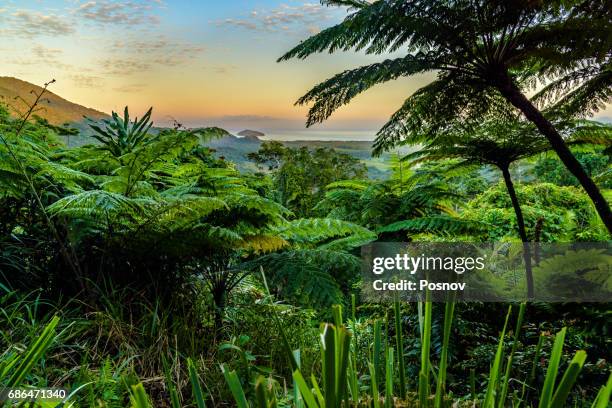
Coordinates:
x,y
481,50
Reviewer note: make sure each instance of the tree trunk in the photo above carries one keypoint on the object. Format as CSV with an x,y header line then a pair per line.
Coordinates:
x,y
513,94
522,231
219,299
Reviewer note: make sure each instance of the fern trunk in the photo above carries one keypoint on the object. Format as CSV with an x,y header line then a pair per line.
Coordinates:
x,y
513,94
520,221
219,294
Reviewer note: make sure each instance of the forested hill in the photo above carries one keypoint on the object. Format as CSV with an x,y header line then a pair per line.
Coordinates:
x,y
235,149
57,110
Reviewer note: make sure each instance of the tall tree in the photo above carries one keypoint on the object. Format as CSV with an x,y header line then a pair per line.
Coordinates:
x,y
481,50
500,143
301,174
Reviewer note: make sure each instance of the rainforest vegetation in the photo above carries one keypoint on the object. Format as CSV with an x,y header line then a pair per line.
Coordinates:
x,y
143,270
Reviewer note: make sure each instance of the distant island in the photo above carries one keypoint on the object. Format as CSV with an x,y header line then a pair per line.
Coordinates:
x,y
251,134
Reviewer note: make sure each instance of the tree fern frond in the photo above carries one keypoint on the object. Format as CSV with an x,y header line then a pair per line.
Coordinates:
x,y
263,243
357,185
312,230
339,90
99,204
435,224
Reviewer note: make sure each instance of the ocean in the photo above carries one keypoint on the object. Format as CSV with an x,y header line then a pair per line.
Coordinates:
x,y
320,135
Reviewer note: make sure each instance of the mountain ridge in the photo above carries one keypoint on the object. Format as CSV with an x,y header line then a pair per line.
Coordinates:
x,y
56,109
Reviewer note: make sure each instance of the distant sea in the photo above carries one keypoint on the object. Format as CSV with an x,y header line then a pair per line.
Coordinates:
x,y
322,135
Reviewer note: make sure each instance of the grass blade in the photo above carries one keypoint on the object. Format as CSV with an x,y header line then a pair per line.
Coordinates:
x,y
603,396
195,384
139,397
425,350
489,401
552,370
235,387
305,391
297,398
389,378
399,344
517,331
377,349
34,353
374,386
174,397
449,311
534,366
568,380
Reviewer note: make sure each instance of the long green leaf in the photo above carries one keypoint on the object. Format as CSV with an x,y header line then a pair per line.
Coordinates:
x,y
568,380
399,344
374,386
139,397
489,401
552,370
425,350
377,348
603,396
389,378
305,391
195,384
174,397
517,331
34,353
448,321
235,387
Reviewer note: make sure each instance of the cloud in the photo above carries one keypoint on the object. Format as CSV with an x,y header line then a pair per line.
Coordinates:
x,y
158,46
87,81
119,12
312,30
248,118
130,88
46,54
30,24
132,56
223,69
41,57
124,66
240,23
283,18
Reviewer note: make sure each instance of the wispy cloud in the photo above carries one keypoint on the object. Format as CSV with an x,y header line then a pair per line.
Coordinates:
x,y
284,18
28,23
119,12
222,69
87,81
123,65
40,56
46,54
131,56
158,46
130,88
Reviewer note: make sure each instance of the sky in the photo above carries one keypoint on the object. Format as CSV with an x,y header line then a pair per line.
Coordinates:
x,y
200,62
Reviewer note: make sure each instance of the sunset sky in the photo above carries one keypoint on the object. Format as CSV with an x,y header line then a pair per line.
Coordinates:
x,y
207,62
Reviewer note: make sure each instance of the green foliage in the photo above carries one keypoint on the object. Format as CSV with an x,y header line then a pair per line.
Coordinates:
x,y
551,170
14,368
564,213
170,242
394,207
301,175
121,135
